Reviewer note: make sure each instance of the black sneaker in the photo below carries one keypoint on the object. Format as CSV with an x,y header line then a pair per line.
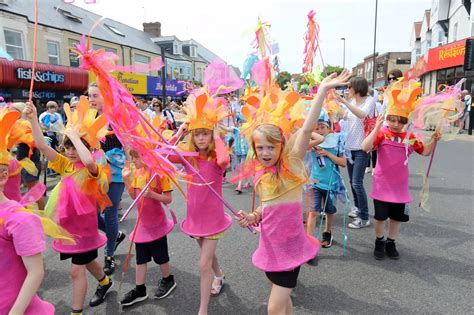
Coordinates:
x,y
133,297
109,265
391,250
379,251
120,237
100,293
326,241
164,288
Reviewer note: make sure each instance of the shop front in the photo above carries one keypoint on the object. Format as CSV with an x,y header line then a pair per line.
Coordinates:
x,y
173,87
444,66
52,83
135,83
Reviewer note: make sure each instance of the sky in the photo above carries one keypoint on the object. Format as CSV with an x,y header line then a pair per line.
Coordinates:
x,y
226,27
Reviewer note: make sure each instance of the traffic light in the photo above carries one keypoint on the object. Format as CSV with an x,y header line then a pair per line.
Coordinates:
x,y
469,55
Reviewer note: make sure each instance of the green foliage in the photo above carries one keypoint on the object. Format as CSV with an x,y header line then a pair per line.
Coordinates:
x,y
283,79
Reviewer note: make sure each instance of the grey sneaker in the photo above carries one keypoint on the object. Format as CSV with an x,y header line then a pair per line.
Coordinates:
x,y
358,224
354,213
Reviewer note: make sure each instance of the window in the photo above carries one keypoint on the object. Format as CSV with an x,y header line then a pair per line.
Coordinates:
x,y
97,47
140,59
14,44
69,15
192,51
73,57
440,38
455,31
113,29
53,52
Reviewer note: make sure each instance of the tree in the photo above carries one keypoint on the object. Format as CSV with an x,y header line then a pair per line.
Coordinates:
x,y
283,78
331,69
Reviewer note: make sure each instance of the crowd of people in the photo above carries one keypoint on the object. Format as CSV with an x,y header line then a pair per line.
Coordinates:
x,y
267,149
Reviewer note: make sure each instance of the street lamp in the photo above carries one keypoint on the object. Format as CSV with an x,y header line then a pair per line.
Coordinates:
x,y
344,53
375,41
163,72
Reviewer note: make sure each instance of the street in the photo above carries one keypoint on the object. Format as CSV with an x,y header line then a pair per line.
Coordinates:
x,y
434,274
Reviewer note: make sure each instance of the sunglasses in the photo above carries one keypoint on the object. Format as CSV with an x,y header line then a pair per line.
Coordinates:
x,y
391,78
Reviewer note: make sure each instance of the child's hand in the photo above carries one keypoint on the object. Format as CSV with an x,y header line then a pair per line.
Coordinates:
x,y
333,80
148,193
379,122
72,133
436,136
126,172
30,111
244,218
321,152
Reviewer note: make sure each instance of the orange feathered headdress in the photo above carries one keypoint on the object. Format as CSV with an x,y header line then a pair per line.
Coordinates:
x,y
7,120
203,110
91,126
402,97
284,109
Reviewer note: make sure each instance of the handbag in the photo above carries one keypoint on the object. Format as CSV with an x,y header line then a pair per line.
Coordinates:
x,y
369,122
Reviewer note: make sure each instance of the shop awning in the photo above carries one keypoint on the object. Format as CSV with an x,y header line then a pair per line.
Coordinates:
x,y
17,74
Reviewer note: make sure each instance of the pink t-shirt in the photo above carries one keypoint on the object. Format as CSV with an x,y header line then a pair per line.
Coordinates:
x,y
153,222
12,187
21,234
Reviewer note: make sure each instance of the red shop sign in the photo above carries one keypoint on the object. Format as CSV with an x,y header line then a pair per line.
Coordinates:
x,y
18,73
447,56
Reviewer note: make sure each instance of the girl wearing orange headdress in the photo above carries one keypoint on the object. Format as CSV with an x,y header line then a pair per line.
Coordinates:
x,y
205,218
74,201
283,244
390,178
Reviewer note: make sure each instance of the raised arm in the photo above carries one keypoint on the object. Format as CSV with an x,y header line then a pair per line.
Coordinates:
x,y
32,116
84,154
354,109
368,142
304,134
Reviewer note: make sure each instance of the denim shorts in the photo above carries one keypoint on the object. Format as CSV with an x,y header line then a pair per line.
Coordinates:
x,y
320,199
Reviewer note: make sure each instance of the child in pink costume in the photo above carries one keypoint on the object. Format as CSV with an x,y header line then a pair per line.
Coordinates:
x,y
75,200
283,246
21,244
12,188
151,229
390,179
205,217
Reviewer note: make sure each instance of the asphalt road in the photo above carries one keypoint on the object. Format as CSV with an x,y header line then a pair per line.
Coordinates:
x,y
434,274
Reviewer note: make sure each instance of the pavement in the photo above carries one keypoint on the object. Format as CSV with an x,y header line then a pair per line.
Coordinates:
x,y
433,276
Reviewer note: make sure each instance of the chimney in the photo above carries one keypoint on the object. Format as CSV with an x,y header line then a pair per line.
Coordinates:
x,y
153,29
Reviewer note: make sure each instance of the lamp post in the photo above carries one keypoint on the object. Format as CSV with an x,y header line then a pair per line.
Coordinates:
x,y
163,74
344,53
375,42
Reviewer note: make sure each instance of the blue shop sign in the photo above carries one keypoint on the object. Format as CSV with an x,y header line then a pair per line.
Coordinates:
x,y
155,87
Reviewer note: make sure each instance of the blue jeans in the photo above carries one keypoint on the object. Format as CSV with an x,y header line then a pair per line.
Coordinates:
x,y
356,178
108,221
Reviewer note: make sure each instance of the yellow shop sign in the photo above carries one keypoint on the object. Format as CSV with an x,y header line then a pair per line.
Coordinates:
x,y
135,83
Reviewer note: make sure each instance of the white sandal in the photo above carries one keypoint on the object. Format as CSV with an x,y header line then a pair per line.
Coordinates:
x,y
217,288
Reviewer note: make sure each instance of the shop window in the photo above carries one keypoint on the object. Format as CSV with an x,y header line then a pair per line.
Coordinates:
x,y
450,74
459,73
441,75
14,44
53,52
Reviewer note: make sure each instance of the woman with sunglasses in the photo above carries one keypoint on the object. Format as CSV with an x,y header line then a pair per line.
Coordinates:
x,y
359,106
